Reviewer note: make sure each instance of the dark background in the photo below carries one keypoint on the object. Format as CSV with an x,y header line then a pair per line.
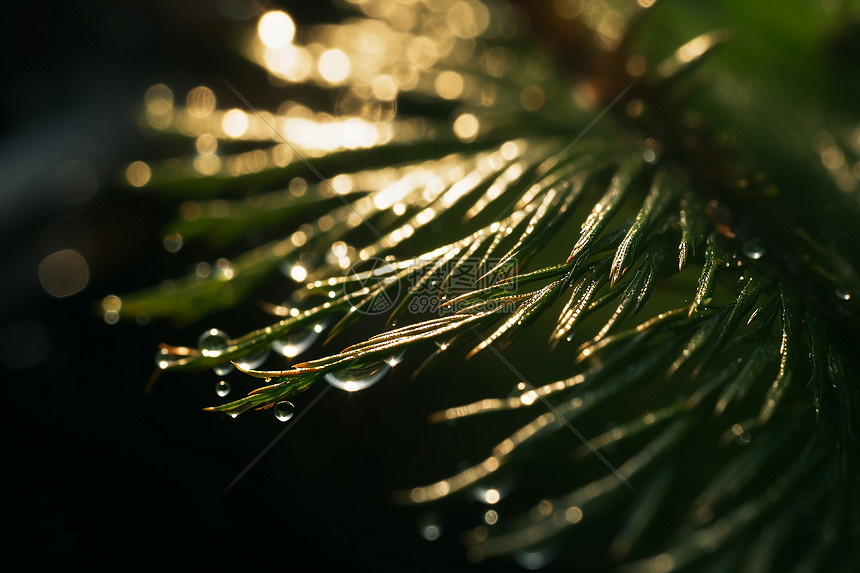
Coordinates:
x,y
97,472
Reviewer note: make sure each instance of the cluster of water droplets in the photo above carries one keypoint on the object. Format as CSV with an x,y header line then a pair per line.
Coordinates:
x,y
215,342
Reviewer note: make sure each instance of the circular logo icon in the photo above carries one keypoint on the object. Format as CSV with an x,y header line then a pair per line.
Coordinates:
x,y
373,286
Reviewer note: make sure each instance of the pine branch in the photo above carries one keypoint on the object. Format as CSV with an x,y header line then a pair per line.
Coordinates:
x,y
678,296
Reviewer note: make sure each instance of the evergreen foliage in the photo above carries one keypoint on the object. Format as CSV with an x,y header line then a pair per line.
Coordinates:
x,y
660,202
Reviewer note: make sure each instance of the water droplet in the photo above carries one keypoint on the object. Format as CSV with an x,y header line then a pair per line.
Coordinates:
x,y
753,249
284,410
253,360
222,388
364,377
843,295
294,343
213,342
222,369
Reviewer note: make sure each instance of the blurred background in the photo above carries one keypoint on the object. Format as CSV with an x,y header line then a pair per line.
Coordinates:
x,y
98,471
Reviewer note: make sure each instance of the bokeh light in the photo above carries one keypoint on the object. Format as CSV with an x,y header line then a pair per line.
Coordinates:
x,y
449,85
200,101
466,127
235,123
111,305
138,174
334,66
64,273
276,29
